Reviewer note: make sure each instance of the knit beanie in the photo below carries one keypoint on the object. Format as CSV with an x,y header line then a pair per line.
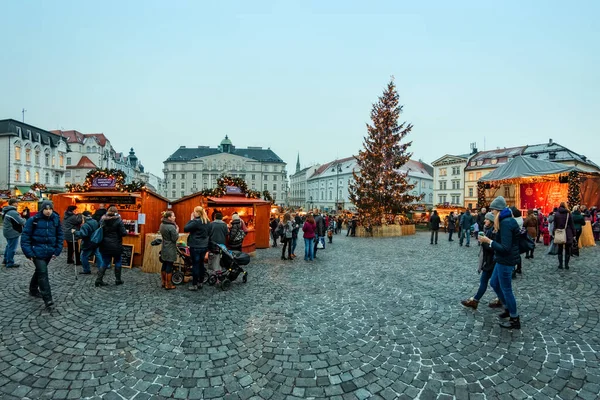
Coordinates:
x,y
490,217
46,204
498,204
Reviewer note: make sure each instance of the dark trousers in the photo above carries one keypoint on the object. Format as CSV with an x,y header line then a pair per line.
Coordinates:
x,y
274,237
287,244
567,248
434,232
167,266
451,231
73,249
198,269
39,281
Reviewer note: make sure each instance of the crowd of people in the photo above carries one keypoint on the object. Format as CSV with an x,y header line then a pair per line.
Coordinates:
x,y
499,234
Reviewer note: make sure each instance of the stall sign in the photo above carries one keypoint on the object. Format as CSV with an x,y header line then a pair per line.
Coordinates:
x,y
233,190
107,199
103,183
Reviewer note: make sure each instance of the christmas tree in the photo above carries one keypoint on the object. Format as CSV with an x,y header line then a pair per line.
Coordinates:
x,y
380,190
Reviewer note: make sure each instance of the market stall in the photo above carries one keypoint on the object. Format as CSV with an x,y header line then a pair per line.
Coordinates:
x,y
140,209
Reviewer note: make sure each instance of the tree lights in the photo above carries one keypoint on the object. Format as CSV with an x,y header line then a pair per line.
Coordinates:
x,y
115,175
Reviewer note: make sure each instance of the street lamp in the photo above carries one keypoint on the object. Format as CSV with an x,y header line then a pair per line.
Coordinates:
x,y
337,183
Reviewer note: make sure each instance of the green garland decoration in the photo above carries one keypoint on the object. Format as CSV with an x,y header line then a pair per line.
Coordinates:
x,y
574,193
227,180
267,196
38,186
112,173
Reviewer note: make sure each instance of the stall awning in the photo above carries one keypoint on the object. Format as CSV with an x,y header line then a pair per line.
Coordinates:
x,y
525,167
235,200
23,189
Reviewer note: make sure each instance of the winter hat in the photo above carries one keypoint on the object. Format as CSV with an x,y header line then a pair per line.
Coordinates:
x,y
515,212
87,214
71,208
490,217
498,204
47,204
235,217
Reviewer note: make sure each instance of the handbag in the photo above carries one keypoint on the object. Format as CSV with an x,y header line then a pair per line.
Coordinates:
x,y
560,235
97,236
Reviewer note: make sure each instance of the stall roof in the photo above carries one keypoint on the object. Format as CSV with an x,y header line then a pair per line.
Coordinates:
x,y
524,167
232,200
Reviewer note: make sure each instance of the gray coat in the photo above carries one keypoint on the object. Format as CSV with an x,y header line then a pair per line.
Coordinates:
x,y
71,221
219,232
10,213
170,236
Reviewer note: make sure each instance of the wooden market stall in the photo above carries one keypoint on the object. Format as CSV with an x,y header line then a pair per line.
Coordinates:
x,y
254,212
140,211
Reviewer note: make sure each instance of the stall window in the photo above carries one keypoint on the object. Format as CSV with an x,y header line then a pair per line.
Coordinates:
x,y
17,153
17,175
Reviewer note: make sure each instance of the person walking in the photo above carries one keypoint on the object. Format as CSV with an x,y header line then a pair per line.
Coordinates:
x,y
320,233
309,229
531,224
111,246
451,223
72,220
506,253
297,225
90,225
579,222
516,213
12,227
486,262
434,222
286,237
199,229
274,224
564,220
330,230
237,232
466,221
481,221
169,231
42,241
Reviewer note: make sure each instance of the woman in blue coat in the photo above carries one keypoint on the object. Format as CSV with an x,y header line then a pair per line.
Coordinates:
x,y
507,255
42,241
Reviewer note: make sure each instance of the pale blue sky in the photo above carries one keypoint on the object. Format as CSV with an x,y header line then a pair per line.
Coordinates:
x,y
301,76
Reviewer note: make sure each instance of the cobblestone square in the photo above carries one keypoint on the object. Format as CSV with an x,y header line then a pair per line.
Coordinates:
x,y
370,318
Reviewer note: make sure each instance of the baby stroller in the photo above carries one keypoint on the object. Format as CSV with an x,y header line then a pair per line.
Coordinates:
x,y
182,268
230,263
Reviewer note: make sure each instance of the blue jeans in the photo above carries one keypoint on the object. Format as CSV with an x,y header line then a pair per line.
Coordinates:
x,y
501,282
85,255
198,269
294,243
467,233
10,250
483,283
309,249
106,259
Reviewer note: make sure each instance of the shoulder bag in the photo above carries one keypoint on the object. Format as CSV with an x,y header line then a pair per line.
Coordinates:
x,y
560,235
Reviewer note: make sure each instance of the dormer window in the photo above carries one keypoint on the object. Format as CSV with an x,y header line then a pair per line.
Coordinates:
x,y
473,163
552,155
479,163
494,161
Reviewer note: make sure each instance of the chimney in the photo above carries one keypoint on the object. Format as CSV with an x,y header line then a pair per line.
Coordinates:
x,y
550,142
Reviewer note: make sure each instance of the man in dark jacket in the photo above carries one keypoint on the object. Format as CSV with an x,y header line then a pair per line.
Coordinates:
x,y
72,220
90,225
274,224
564,220
12,228
466,221
434,222
111,247
320,231
99,213
218,234
42,241
451,223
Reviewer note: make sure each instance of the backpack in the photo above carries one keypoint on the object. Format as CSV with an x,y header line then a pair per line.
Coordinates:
x,y
526,243
97,236
238,237
288,231
279,230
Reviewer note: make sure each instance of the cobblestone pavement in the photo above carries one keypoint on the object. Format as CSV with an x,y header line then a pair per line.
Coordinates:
x,y
370,318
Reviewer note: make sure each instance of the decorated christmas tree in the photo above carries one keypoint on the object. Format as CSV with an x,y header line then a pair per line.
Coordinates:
x,y
380,191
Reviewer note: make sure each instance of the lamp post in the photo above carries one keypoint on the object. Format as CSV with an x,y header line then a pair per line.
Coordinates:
x,y
337,183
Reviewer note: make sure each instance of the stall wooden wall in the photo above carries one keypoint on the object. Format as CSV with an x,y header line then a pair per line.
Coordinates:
x,y
261,225
152,205
184,207
61,202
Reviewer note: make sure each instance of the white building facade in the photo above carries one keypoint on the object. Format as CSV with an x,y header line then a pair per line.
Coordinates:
x,y
190,170
31,155
327,187
449,180
420,175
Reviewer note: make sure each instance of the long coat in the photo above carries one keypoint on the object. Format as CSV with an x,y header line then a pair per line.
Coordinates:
x,y
113,231
531,223
560,221
170,236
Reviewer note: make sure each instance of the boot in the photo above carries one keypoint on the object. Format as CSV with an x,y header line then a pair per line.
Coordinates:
x,y
512,323
471,302
505,314
163,279
118,280
495,303
100,276
567,259
169,283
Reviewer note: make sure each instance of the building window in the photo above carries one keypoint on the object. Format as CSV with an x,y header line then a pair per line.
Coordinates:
x,y
56,179
430,197
174,176
480,163
274,196
442,198
470,176
47,178
53,161
442,185
478,175
61,160
88,149
506,191
253,176
37,177
182,176
17,175
265,178
455,184
330,195
470,192
265,186
443,171
182,193
37,157
68,160
274,186
67,174
183,185
47,160
173,185
455,170
494,161
27,155
17,153
173,194
274,177
193,176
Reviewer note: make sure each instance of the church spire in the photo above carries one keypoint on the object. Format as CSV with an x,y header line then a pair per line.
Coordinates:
x,y
298,163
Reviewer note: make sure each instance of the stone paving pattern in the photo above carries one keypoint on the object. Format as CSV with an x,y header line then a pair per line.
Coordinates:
x,y
370,318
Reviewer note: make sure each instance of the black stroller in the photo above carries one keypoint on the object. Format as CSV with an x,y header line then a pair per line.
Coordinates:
x,y
230,263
